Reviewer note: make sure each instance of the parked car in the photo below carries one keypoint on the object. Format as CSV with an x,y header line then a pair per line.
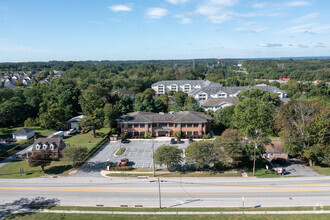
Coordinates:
x,y
190,140
72,131
125,141
123,162
172,141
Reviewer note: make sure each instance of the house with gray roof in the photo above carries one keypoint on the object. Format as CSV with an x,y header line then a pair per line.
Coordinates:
x,y
187,86
23,134
190,124
55,145
214,104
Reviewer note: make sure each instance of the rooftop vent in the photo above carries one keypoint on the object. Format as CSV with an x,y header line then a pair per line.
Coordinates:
x,y
171,112
161,113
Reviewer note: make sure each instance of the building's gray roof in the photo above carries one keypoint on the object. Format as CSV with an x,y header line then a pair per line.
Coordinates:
x,y
9,85
219,101
176,117
23,131
202,83
215,88
58,143
122,92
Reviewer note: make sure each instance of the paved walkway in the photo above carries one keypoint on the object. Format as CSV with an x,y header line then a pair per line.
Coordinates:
x,y
174,213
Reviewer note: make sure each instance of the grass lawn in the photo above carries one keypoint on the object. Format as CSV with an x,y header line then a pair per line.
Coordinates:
x,y
261,173
12,169
197,174
38,131
120,151
322,170
87,140
51,216
205,209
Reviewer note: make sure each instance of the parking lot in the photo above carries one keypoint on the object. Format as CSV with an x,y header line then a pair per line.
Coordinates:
x,y
139,152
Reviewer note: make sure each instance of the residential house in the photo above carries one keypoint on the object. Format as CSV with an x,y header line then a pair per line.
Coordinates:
x,y
188,123
23,134
274,151
217,103
120,92
55,145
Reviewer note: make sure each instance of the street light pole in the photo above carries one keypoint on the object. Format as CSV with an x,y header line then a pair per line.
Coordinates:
x,y
254,157
153,158
159,194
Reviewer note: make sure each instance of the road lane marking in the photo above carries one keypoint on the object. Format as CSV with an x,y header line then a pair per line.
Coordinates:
x,y
63,189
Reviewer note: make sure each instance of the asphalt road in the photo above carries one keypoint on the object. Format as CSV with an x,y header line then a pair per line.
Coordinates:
x,y
175,192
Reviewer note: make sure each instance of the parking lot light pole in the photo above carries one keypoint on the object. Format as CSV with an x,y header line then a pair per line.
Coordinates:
x,y
153,158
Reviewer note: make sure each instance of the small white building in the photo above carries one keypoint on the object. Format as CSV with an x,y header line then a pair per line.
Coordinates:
x,y
73,122
23,134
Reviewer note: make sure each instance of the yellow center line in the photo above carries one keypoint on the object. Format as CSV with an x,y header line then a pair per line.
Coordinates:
x,y
60,189
163,187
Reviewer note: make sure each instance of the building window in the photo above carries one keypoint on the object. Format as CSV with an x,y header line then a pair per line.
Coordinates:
x,y
44,146
162,125
189,133
161,89
122,126
129,125
203,125
189,125
195,125
55,154
154,125
142,134
37,147
183,125
130,134
149,125
174,87
136,125
52,146
202,97
141,125
195,133
170,124
186,88
136,133
176,125
222,95
184,133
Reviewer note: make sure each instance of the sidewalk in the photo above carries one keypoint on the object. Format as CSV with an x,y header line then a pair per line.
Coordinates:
x,y
173,213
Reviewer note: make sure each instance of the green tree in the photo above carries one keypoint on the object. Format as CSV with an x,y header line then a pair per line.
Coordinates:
x,y
180,98
201,153
169,155
111,113
224,117
92,103
75,154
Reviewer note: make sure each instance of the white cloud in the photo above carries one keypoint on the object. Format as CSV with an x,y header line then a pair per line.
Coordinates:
x,y
311,28
297,3
120,8
156,12
306,17
259,5
224,2
184,19
319,44
177,2
250,29
270,45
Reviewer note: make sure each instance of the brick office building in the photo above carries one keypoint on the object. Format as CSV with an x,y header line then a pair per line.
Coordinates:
x,y
164,124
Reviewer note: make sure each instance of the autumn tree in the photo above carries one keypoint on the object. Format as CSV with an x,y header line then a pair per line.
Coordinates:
x,y
42,158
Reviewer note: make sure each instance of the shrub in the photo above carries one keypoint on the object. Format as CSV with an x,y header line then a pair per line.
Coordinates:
x,y
127,168
30,122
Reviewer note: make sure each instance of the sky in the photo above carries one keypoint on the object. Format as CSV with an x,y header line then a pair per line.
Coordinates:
x,y
43,30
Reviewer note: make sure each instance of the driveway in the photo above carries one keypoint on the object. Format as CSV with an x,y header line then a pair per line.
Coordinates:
x,y
297,168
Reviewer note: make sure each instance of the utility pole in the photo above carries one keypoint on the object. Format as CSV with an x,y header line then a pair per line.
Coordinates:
x,y
159,195
254,156
153,158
